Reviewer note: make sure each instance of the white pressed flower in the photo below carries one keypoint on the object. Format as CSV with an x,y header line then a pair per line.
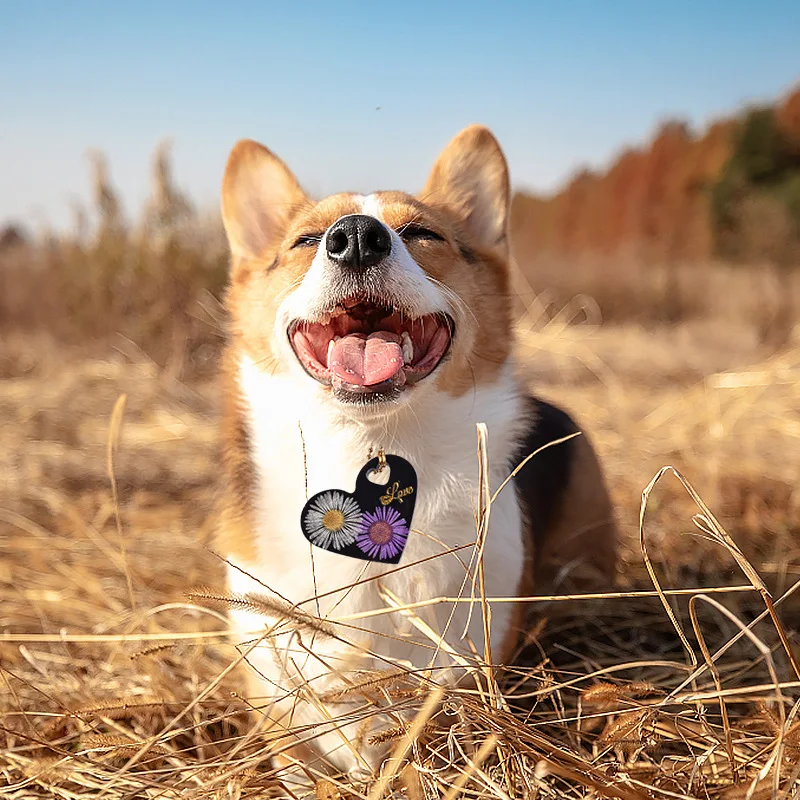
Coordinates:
x,y
333,520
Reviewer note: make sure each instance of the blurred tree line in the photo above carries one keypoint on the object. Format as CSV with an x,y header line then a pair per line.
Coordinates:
x,y
731,193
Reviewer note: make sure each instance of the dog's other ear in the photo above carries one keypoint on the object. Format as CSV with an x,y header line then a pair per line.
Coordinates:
x,y
259,197
470,177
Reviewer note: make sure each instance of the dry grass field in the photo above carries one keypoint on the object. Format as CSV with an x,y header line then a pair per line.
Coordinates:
x,y
115,683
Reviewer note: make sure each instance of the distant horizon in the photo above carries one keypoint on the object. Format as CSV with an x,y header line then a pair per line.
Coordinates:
x,y
358,98
133,215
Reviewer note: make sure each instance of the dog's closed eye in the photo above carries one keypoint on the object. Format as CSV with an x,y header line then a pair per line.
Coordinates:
x,y
307,240
412,231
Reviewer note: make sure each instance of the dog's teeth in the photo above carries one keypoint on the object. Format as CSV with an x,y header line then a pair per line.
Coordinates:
x,y
336,338
408,348
330,347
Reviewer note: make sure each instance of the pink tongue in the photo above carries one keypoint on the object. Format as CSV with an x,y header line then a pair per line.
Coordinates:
x,y
366,360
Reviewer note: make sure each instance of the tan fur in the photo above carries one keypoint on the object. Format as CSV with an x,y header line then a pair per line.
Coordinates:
x,y
581,543
235,536
583,534
470,178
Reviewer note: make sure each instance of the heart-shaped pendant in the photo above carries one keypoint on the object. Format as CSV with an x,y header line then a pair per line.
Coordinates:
x,y
374,521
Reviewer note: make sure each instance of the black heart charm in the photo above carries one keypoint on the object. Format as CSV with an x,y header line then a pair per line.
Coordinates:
x,y
372,523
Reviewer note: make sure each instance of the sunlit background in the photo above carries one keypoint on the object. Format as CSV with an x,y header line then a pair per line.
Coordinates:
x,y
362,95
655,155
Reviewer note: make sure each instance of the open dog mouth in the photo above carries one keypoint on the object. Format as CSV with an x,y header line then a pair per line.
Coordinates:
x,y
368,349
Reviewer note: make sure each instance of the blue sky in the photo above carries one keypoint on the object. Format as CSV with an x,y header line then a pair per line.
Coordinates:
x,y
361,95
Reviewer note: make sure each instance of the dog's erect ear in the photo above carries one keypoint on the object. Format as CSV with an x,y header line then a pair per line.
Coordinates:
x,y
470,177
259,196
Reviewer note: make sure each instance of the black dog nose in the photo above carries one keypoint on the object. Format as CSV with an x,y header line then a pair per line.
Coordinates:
x,y
358,241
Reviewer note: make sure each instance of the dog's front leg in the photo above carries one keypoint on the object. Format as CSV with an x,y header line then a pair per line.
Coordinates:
x,y
315,703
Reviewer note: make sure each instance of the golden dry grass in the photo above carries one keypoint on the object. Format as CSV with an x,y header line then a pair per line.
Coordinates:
x,y
114,684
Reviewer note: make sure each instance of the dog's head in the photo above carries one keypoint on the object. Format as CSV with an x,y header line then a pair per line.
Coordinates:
x,y
377,298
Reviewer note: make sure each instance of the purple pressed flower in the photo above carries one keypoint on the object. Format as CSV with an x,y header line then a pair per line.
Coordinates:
x,y
383,533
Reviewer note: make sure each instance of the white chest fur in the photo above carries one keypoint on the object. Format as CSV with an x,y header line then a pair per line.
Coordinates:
x,y
300,447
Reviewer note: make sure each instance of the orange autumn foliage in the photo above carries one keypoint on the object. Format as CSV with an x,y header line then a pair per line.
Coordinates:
x,y
652,203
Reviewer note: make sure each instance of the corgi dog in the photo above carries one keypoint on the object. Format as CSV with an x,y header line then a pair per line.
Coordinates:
x,y
382,323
